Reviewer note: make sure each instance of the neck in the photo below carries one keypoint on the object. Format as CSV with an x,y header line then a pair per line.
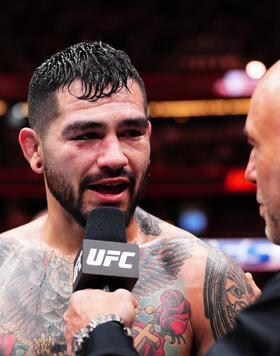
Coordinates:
x,y
61,232
65,235
133,231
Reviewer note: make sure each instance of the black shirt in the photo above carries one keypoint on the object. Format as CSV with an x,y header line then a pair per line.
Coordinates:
x,y
109,339
258,327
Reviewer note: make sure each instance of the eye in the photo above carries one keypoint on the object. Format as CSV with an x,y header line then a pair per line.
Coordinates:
x,y
132,133
87,136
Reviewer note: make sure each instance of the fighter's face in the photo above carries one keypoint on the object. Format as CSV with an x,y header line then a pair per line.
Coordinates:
x,y
97,153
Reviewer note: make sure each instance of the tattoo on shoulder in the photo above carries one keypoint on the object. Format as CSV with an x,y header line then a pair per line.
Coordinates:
x,y
7,247
160,264
148,224
226,292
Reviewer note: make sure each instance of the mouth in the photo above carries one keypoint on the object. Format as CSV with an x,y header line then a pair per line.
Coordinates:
x,y
112,188
109,190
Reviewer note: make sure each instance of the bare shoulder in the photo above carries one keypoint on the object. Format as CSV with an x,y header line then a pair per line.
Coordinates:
x,y
154,226
12,240
23,232
202,256
215,287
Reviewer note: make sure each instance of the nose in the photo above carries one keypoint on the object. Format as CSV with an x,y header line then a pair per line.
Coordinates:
x,y
250,172
111,154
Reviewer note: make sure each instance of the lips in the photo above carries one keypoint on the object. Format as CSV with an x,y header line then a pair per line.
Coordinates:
x,y
109,188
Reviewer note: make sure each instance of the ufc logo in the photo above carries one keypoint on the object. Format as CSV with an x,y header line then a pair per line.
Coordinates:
x,y
104,258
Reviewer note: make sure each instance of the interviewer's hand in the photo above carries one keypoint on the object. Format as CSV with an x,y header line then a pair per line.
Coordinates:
x,y
87,304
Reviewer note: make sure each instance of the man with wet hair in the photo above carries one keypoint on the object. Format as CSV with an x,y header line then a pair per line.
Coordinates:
x,y
89,137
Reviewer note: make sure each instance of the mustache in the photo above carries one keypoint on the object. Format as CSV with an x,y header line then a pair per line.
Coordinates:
x,y
93,178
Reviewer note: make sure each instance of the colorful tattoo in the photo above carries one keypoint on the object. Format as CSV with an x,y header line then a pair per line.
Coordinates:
x,y
35,286
163,314
155,328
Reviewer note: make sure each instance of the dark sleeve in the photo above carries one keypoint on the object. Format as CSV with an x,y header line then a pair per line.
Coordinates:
x,y
109,339
257,330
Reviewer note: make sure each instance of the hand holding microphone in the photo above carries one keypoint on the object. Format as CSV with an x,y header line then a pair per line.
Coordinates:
x,y
88,304
105,263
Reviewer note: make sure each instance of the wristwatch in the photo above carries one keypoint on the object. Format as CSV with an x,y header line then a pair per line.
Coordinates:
x,y
81,337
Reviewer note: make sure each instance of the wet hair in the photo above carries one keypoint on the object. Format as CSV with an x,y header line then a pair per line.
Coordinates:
x,y
101,69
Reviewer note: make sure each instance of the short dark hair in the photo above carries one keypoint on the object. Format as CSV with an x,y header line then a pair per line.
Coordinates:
x,y
96,64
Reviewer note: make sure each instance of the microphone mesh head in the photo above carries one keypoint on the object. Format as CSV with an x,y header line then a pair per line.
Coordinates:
x,y
106,224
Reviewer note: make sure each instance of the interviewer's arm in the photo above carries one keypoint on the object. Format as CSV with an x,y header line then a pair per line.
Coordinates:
x,y
109,339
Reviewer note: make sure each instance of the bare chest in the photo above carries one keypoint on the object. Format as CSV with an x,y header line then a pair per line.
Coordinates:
x,y
34,293
162,325
35,288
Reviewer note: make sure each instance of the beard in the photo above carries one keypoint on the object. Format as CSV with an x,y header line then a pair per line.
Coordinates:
x,y
72,202
272,227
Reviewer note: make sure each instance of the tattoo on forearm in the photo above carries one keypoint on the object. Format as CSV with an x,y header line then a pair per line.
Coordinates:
x,y
226,292
148,224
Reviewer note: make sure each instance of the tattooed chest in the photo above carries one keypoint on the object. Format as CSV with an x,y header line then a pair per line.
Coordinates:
x,y
34,295
162,324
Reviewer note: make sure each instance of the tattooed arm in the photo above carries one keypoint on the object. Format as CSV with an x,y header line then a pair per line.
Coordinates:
x,y
225,292
257,327
204,287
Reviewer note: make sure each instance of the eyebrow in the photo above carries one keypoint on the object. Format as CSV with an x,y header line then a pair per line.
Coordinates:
x,y
81,126
87,125
139,122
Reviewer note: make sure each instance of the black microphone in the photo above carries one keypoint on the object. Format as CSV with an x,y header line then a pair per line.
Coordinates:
x,y
106,260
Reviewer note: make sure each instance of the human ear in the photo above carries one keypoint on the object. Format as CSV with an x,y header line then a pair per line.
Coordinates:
x,y
31,148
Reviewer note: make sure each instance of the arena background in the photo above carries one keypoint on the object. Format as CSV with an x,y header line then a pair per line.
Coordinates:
x,y
192,56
